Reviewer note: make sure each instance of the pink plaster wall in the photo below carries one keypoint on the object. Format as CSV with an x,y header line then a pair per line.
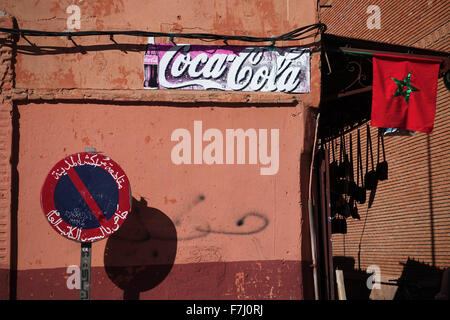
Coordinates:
x,y
192,196
116,69
138,139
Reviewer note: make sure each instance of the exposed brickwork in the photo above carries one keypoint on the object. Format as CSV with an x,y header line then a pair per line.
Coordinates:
x,y
6,84
6,56
436,38
421,23
409,217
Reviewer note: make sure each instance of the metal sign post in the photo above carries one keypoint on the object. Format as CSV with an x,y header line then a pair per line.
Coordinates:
x,y
85,262
85,270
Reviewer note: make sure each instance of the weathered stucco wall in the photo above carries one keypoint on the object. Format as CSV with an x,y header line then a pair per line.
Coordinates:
x,y
117,69
195,231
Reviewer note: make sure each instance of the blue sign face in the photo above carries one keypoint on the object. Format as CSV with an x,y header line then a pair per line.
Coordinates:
x,y
72,206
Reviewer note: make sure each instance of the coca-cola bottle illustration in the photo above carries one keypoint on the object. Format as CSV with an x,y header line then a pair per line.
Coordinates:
x,y
151,67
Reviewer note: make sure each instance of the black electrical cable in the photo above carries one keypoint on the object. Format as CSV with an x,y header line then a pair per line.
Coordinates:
x,y
290,36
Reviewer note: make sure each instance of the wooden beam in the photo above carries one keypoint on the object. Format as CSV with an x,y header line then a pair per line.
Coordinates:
x,y
340,285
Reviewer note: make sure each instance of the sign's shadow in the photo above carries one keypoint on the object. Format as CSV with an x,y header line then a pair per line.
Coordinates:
x,y
141,254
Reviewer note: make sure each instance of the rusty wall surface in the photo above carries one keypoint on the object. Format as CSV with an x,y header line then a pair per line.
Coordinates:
x,y
406,229
116,69
222,231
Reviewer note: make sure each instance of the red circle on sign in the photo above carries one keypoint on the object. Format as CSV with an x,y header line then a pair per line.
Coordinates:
x,y
66,167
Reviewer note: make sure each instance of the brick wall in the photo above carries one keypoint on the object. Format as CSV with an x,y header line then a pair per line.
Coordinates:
x,y
409,221
6,84
420,23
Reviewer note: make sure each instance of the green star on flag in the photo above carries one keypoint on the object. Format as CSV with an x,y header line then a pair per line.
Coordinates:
x,y
404,84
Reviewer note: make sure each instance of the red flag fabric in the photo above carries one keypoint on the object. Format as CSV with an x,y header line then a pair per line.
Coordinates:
x,y
404,92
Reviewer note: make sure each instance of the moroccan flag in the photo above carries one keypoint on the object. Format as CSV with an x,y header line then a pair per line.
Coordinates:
x,y
404,92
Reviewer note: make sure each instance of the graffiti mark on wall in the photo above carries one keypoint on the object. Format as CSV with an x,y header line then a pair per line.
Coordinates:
x,y
247,224
230,68
259,223
190,226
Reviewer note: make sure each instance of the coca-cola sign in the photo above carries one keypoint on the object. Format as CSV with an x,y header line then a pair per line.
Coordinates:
x,y
234,68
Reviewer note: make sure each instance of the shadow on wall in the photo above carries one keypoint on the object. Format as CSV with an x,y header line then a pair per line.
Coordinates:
x,y
418,281
355,280
140,255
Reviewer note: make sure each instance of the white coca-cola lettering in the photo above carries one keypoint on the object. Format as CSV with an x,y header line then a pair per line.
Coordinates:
x,y
215,66
179,66
238,74
247,69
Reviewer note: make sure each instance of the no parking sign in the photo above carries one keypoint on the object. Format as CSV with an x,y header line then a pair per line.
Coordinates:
x,y
86,197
